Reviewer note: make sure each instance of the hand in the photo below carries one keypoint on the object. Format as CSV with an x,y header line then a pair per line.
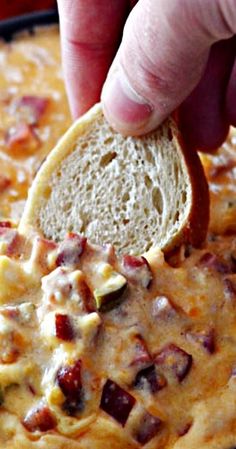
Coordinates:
x,y
173,54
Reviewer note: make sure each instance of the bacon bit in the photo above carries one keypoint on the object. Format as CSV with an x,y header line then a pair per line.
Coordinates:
x,y
116,402
40,418
142,355
229,288
34,106
5,182
64,329
87,297
211,261
57,285
21,134
175,360
221,169
69,380
148,428
148,377
138,270
11,238
5,224
205,339
71,249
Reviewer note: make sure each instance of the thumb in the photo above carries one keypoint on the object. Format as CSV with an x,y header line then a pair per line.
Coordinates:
x,y
162,56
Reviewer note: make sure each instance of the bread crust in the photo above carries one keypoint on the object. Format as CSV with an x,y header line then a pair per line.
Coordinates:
x,y
196,227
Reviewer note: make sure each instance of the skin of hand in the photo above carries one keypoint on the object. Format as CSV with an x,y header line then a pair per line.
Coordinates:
x,y
173,55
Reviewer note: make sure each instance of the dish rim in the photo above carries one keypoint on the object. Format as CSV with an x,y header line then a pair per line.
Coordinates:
x,y
13,25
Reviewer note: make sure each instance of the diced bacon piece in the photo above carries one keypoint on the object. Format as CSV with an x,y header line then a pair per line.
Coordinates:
x,y
57,286
148,427
11,238
141,354
70,382
63,285
174,360
87,297
116,402
149,378
162,308
138,270
71,249
212,262
64,328
204,338
21,134
69,379
32,107
5,182
5,224
39,418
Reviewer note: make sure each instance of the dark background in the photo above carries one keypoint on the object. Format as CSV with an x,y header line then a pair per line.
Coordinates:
x,y
11,8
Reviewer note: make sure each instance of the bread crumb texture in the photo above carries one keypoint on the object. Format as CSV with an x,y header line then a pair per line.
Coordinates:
x,y
113,190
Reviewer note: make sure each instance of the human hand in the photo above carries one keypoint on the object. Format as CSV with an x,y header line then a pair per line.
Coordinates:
x,y
174,53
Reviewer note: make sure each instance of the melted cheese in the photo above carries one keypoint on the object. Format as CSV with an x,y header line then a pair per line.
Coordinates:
x,y
29,66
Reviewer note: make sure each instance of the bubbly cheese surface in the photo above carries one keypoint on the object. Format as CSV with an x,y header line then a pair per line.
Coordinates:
x,y
33,109
98,351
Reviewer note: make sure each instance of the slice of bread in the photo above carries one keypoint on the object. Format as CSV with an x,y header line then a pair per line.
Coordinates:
x,y
133,192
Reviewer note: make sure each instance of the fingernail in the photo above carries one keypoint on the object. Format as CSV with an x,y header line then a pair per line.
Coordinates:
x,y
123,107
